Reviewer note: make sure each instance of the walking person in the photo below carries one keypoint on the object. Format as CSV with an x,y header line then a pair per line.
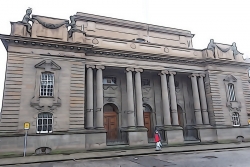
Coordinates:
x,y
157,141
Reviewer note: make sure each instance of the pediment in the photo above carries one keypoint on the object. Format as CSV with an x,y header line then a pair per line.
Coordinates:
x,y
48,65
230,78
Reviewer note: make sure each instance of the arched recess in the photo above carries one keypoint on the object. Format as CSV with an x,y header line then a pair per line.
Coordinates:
x,y
148,123
110,121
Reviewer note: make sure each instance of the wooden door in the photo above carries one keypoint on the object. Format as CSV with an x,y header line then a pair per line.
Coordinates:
x,y
110,124
147,123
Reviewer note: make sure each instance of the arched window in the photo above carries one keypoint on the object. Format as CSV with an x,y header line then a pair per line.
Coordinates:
x,y
231,92
236,119
44,122
47,84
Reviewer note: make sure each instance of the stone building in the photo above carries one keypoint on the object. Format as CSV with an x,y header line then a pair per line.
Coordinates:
x,y
95,81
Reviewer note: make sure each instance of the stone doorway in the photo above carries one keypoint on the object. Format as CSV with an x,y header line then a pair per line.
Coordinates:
x,y
110,120
148,123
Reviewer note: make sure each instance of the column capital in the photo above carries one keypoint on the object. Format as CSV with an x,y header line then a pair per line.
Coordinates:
x,y
171,72
202,75
138,70
193,75
100,67
130,69
163,72
90,66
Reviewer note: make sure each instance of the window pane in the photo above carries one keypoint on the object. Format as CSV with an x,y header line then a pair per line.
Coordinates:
x,y
50,121
39,122
50,127
44,121
47,84
39,128
45,128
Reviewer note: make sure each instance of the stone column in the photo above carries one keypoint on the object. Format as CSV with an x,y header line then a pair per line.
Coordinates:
x,y
197,107
173,99
165,99
130,96
90,98
139,105
99,97
203,100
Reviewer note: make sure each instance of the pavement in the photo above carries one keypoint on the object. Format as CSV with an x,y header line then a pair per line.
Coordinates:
x,y
215,158
50,159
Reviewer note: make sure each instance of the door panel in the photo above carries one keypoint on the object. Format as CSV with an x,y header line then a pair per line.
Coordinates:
x,y
147,123
110,124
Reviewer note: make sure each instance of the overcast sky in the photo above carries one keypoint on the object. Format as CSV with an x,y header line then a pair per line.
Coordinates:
x,y
225,21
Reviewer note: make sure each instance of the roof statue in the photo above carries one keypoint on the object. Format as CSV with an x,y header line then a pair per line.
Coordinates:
x,y
26,19
211,45
73,26
234,49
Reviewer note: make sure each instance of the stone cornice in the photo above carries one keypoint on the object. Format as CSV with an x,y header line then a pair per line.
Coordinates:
x,y
44,43
89,50
131,24
163,58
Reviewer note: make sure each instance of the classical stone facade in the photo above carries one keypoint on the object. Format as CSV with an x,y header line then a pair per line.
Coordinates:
x,y
99,81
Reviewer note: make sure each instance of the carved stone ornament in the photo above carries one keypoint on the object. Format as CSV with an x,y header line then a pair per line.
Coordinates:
x,y
230,78
211,46
234,106
48,65
50,25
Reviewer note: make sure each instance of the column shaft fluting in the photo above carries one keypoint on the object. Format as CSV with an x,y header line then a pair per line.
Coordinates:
x,y
139,105
173,99
197,108
165,100
130,96
203,100
90,98
99,97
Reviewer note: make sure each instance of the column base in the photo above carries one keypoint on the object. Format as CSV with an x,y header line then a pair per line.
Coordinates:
x,y
173,134
99,128
206,133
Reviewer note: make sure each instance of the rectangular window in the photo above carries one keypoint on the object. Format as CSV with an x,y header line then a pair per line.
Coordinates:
x,y
47,85
145,82
236,119
109,80
44,123
231,92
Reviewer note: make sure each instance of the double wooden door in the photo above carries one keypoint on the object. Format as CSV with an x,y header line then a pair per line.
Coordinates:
x,y
147,123
110,124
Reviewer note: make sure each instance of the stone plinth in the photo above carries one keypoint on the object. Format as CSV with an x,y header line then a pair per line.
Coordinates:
x,y
137,136
95,139
78,37
19,29
206,133
174,135
231,134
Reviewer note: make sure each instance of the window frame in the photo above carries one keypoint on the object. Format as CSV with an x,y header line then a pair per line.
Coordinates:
x,y
231,92
42,118
53,84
